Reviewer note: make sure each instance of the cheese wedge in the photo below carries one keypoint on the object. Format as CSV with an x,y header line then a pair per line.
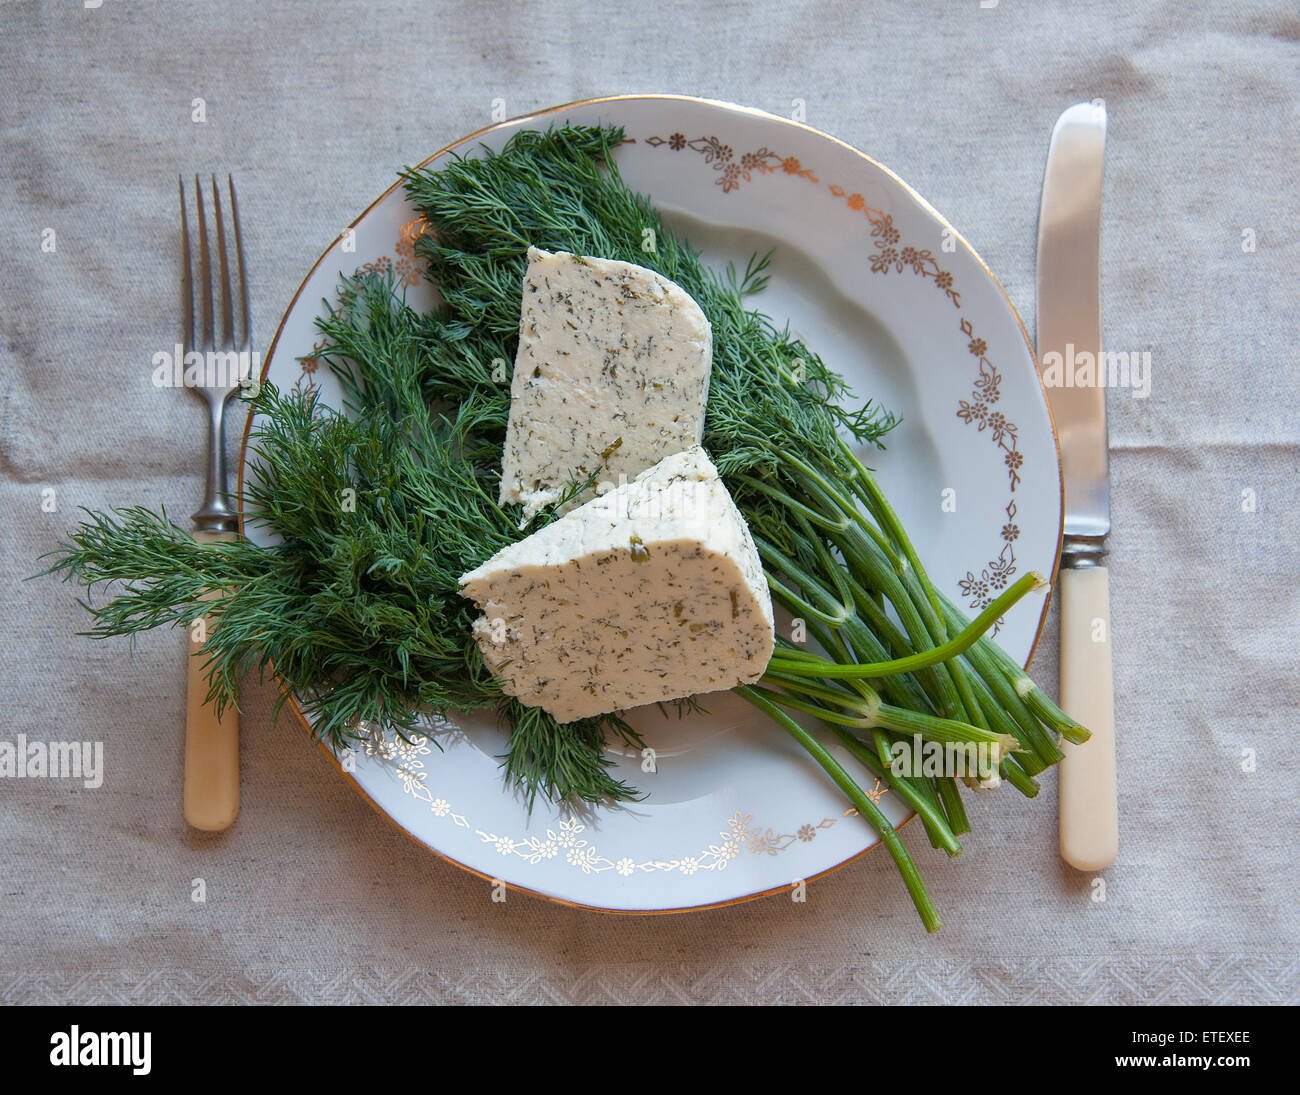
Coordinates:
x,y
653,591
611,376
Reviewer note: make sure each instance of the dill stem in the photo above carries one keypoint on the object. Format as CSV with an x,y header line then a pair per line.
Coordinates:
x,y
822,668
795,603
952,804
888,520
1037,702
939,631
934,728
905,689
861,802
922,617
864,706
825,714
837,523
880,739
1044,709
1001,682
901,689
871,713
1014,773
1038,743
928,809
858,553
834,612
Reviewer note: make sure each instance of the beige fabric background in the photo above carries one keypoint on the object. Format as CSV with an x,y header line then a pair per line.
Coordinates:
x,y
313,896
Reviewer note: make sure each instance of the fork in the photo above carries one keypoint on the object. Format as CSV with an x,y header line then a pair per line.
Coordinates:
x,y
212,744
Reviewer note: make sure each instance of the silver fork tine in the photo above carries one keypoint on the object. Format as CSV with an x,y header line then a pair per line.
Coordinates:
x,y
187,276
227,320
209,326
217,383
246,322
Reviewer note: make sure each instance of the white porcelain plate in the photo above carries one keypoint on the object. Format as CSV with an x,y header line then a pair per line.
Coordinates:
x,y
892,297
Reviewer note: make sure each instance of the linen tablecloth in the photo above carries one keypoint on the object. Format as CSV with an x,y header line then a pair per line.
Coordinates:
x,y
313,896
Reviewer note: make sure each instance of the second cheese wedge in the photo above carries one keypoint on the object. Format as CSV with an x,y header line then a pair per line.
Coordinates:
x,y
611,376
651,592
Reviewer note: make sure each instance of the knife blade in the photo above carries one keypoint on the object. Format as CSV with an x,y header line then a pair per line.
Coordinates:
x,y
1073,373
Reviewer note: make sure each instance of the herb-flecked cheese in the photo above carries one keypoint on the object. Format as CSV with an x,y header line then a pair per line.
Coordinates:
x,y
611,376
653,591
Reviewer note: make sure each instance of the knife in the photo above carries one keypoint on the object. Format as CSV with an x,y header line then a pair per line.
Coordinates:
x,y
1069,353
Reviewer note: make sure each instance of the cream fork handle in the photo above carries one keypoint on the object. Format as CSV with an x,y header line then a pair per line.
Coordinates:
x,y
1089,808
211,743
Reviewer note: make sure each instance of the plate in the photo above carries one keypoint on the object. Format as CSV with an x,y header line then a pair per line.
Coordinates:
x,y
889,294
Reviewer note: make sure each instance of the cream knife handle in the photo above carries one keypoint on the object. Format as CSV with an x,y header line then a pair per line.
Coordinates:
x,y
1089,808
211,743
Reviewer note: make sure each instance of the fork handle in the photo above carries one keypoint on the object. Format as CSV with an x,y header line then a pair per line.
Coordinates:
x,y
211,743
1088,808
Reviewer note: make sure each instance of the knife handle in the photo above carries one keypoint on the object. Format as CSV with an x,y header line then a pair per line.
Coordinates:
x,y
211,743
1089,807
